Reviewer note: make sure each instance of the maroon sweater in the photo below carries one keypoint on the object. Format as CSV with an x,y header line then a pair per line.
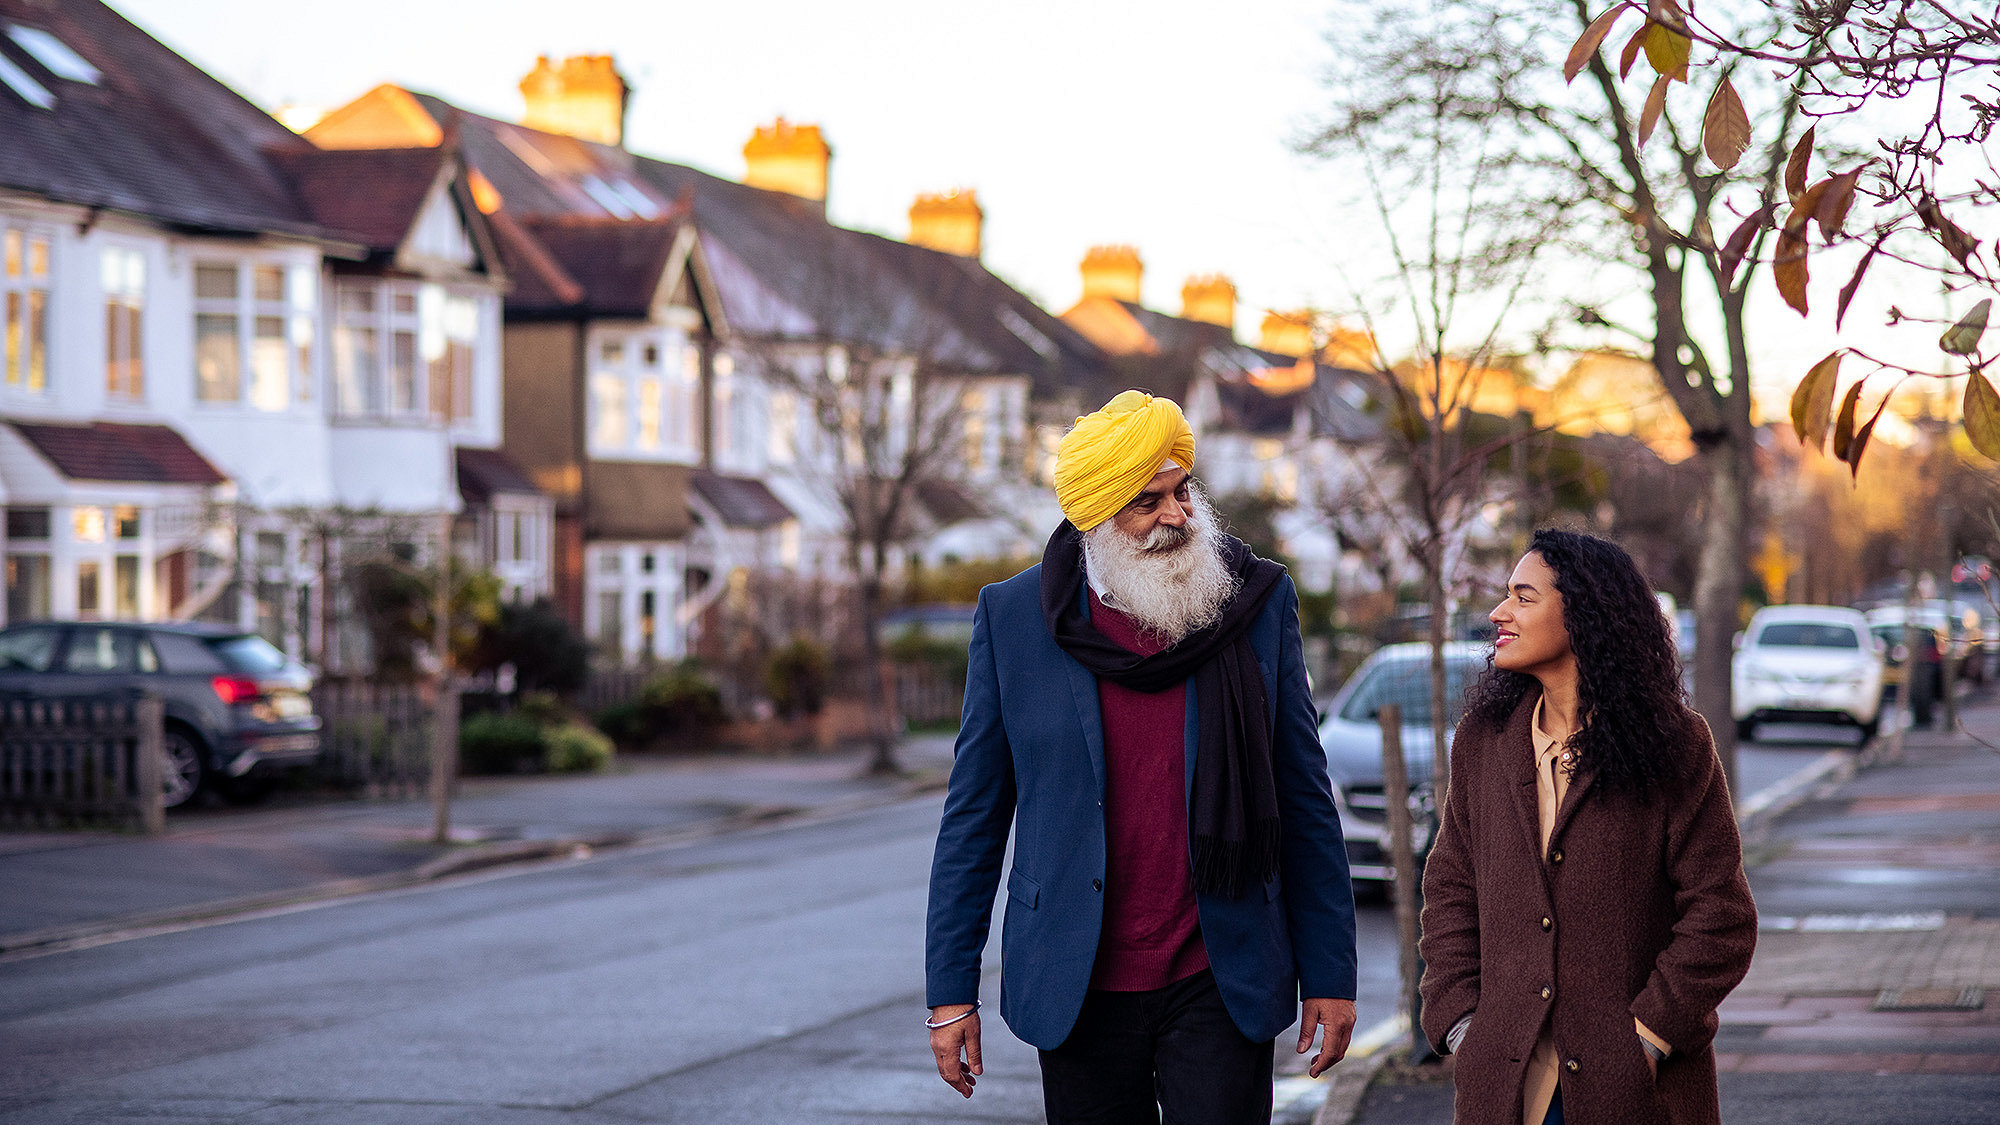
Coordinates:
x,y
1152,933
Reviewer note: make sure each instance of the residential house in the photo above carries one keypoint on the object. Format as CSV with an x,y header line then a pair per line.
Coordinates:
x,y
219,342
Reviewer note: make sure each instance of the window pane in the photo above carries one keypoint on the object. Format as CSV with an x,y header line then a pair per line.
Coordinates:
x,y
302,355
27,587
27,523
87,524
13,253
356,300
609,430
649,414
89,590
403,372
38,257
268,365
217,365
38,339
135,356
26,650
125,520
125,587
355,383
610,631
216,282
403,302
14,367
267,283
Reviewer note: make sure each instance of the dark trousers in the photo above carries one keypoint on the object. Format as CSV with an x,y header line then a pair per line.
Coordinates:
x,y
1134,1055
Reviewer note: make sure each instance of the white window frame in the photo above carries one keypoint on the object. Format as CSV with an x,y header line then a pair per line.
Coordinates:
x,y
645,394
439,326
122,270
274,372
27,274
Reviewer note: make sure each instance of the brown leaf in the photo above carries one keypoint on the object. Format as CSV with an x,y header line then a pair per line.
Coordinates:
x,y
1860,444
1631,53
1962,338
1668,50
1797,166
1725,129
1843,426
1834,203
1982,416
1812,401
1740,239
1656,103
1788,268
1853,284
1586,44
1955,241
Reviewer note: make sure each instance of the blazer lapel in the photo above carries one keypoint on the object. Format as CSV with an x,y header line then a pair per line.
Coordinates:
x,y
1089,713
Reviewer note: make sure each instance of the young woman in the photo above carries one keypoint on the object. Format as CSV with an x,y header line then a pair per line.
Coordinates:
x,y
1585,910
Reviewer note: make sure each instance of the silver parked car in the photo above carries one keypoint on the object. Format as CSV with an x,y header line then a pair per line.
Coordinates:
x,y
1351,734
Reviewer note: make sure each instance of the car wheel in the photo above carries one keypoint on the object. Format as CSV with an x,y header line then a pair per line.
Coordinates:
x,y
1746,731
1869,729
181,771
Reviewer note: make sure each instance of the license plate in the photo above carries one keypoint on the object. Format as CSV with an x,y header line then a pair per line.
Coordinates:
x,y
288,744
291,706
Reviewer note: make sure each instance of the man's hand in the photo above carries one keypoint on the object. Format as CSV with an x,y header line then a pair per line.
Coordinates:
x,y
956,1046
1337,1016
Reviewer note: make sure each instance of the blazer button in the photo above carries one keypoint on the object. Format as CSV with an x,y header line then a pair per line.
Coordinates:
x,y
1545,995
1556,856
1097,884
1547,922
1571,1066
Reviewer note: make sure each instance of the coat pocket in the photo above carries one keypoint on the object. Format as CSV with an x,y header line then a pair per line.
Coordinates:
x,y
1022,889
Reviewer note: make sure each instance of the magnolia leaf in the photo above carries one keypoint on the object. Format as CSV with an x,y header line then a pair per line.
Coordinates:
x,y
1853,284
1631,53
1586,44
1812,402
1861,436
1788,268
1725,128
1668,51
1963,338
1797,166
1656,103
1834,203
1982,416
1955,241
1740,239
1843,426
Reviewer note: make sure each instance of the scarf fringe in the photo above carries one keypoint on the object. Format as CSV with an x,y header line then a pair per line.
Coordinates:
x,y
1229,867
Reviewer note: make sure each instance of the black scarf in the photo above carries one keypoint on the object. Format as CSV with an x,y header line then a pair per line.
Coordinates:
x,y
1235,800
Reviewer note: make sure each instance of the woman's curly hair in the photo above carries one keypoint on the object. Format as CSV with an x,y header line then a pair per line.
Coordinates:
x,y
1631,708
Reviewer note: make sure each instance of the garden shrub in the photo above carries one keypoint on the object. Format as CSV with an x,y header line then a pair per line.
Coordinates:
x,y
493,743
795,678
576,747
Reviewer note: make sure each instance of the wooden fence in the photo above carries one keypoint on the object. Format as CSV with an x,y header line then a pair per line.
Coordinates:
x,y
92,760
375,739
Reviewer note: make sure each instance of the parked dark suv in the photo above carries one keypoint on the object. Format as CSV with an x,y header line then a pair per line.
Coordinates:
x,y
237,710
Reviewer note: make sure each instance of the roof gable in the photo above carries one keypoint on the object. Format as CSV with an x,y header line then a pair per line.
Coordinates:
x,y
114,451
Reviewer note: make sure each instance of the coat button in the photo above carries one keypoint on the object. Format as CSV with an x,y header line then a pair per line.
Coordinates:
x,y
1556,856
1572,1066
1546,993
1097,884
1547,922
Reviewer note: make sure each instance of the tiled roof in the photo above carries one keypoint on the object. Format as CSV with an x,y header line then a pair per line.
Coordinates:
x,y
485,473
154,136
370,195
117,451
741,501
540,282
616,264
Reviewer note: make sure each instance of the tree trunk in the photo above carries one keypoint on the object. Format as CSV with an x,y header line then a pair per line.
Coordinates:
x,y
1718,590
881,724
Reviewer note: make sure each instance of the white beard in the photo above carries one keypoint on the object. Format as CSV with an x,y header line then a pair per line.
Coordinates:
x,y
1172,583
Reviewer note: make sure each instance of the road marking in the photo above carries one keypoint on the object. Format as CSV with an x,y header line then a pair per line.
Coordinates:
x,y
1856,923
1800,779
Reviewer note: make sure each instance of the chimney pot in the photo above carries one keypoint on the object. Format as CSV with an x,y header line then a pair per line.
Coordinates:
x,y
949,221
1113,271
1210,298
584,96
790,158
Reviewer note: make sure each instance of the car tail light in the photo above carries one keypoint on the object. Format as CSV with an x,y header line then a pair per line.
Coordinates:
x,y
236,689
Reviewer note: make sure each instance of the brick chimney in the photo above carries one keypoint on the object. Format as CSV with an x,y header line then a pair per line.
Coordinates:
x,y
1287,333
584,96
1211,299
790,158
1114,272
950,221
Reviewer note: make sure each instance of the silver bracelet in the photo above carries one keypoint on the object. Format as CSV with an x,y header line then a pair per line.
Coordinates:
x,y
952,1020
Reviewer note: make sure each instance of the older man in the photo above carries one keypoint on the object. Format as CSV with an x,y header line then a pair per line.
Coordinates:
x,y
1137,708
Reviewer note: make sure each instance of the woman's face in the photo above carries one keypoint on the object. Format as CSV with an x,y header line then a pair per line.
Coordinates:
x,y
1532,638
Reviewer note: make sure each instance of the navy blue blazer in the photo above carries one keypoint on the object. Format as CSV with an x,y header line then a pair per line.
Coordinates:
x,y
1031,753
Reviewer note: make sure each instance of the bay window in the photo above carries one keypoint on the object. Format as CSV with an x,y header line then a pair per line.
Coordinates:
x,y
645,394
253,333
403,350
124,277
24,292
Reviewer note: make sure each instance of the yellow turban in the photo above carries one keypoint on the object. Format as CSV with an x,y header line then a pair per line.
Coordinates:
x,y
1106,458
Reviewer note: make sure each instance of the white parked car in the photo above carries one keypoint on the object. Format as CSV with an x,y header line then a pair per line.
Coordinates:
x,y
1807,664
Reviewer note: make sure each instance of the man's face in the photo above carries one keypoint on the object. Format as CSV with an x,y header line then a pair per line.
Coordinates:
x,y
1157,518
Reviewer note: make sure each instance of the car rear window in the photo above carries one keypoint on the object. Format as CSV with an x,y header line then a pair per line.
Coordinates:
x,y
183,655
27,650
1808,634
1408,683
248,654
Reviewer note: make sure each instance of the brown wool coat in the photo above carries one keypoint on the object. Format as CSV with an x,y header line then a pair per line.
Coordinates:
x,y
1647,914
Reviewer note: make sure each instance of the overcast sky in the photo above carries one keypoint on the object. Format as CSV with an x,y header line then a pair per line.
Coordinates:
x,y
1162,123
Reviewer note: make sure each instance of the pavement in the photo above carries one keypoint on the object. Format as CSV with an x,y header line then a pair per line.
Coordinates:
x,y
71,890
1874,994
